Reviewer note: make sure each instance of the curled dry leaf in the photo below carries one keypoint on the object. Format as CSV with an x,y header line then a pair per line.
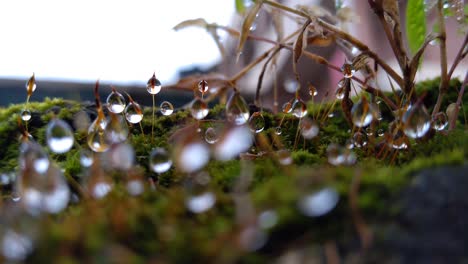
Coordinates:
x,y
299,43
199,22
360,61
320,40
246,25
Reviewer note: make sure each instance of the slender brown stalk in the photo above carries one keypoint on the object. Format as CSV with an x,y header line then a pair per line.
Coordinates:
x,y
453,121
460,56
443,87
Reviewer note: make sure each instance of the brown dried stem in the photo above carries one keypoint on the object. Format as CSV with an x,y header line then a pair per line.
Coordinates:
x,y
453,121
443,87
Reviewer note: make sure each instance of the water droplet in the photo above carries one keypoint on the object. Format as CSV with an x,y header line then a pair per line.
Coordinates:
x,y
96,137
32,155
98,182
396,139
349,144
235,140
369,131
198,109
115,102
312,90
237,110
59,136
135,187
203,86
291,85
284,157
86,158
166,108
100,189
319,203
348,70
15,245
56,193
160,161
192,156
116,130
211,136
133,113
309,128
451,111
31,85
278,130
267,219
299,109
363,113
340,92
359,139
380,132
120,156
252,238
331,114
439,121
81,121
256,122
153,86
355,51
416,121
26,115
201,202
338,155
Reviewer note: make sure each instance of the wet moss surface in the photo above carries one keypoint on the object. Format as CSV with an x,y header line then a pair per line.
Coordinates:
x,y
157,227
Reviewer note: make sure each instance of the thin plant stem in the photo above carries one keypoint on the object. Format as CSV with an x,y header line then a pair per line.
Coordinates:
x,y
152,124
453,121
443,87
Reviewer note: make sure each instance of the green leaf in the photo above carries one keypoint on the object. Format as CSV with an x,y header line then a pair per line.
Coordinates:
x,y
415,24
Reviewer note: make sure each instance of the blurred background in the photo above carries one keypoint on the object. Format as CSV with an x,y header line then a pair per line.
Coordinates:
x,y
71,44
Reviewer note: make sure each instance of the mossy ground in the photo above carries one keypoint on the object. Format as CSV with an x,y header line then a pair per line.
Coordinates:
x,y
156,226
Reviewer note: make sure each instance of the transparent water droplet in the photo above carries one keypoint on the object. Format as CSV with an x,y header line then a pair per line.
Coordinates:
x,y
96,136
319,203
369,131
199,109
440,121
120,156
32,155
348,70
396,139
291,85
235,140
349,144
166,108
278,130
380,132
133,113
203,86
416,121
267,219
115,102
100,189
312,90
59,136
355,51
211,136
192,156
86,158
309,128
284,157
153,86
159,160
340,92
116,130
16,246
257,122
135,187
237,110
252,238
56,193
201,202
299,109
26,115
331,114
362,113
359,139
287,107
338,155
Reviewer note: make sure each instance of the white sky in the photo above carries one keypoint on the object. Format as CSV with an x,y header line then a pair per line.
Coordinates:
x,y
116,41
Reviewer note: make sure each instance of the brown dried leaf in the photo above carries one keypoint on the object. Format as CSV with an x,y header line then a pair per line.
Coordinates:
x,y
321,40
246,25
199,22
299,44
